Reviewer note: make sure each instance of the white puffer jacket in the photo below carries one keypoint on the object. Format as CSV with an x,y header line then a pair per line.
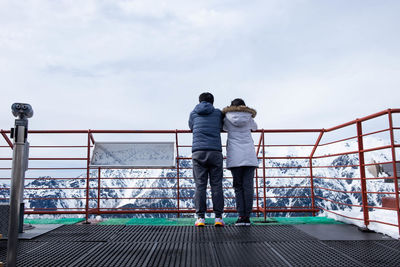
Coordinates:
x,y
240,150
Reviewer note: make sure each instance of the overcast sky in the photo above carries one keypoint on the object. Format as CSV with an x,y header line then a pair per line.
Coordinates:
x,y
142,64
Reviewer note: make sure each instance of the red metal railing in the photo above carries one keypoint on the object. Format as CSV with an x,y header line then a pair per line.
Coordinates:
x,y
275,173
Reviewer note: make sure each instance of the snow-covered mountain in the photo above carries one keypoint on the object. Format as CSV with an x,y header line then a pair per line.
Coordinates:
x,y
126,188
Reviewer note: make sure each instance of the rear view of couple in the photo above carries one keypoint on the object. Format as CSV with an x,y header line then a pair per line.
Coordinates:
x,y
206,123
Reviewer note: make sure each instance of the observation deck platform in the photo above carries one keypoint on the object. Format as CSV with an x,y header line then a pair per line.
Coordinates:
x,y
305,241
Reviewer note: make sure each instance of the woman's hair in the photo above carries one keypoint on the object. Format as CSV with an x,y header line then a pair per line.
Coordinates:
x,y
238,102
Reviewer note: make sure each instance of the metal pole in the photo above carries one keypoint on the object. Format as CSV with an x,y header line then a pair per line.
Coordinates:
x,y
19,166
312,187
177,169
362,173
98,190
256,170
396,179
87,178
265,202
311,170
257,201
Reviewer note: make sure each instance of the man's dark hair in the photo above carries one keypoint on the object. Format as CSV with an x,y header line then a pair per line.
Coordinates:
x,y
208,97
238,102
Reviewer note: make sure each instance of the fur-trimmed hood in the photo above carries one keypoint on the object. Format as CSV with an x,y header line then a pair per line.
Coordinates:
x,y
253,112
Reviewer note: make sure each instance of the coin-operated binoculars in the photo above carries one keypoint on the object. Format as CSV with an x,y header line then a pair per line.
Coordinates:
x,y
19,165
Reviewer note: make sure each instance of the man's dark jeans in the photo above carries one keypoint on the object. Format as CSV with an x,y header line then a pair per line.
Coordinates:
x,y
208,165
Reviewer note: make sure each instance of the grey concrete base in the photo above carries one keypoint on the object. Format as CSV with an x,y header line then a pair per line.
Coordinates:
x,y
339,232
37,230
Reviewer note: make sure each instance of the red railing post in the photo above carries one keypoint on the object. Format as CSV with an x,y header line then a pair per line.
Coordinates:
x,y
87,177
311,170
257,202
263,150
256,170
396,179
7,139
98,190
362,173
312,186
177,170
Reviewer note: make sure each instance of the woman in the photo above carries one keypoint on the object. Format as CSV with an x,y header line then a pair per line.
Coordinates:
x,y
241,156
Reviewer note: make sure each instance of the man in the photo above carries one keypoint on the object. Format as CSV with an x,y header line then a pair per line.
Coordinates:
x,y
206,122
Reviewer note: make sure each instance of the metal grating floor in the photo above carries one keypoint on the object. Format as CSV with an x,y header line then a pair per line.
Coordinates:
x,y
269,245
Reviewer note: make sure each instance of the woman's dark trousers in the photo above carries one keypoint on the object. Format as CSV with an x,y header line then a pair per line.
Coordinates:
x,y
243,183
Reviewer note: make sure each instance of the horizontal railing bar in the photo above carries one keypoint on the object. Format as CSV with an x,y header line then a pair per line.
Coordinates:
x,y
378,163
352,152
379,178
282,145
334,155
336,178
338,141
55,178
268,187
380,131
340,203
27,211
288,177
157,131
376,148
54,168
107,188
382,193
380,208
148,178
149,198
288,210
52,198
288,197
106,131
293,207
339,191
372,116
288,187
55,188
153,178
136,168
144,208
337,166
353,137
284,158
288,130
57,158
139,178
301,167
354,178
48,146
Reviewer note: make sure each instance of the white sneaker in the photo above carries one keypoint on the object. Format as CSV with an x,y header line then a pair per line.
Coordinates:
x,y
219,222
200,222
